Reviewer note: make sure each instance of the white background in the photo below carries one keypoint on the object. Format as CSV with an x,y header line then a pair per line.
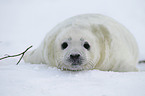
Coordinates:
x,y
26,22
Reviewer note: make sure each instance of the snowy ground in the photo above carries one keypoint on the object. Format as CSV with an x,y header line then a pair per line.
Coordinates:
x,y
25,23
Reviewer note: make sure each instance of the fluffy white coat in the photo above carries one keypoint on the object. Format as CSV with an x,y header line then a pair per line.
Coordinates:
x,y
112,46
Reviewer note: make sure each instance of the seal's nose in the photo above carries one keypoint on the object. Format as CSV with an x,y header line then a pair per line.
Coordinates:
x,y
74,56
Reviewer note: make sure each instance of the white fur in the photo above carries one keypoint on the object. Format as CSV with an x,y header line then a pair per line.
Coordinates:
x,y
113,48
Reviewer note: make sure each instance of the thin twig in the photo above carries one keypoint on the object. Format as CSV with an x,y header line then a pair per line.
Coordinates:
x,y
142,61
20,59
17,55
10,56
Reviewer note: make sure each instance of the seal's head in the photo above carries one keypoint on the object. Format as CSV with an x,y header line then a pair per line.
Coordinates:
x,y
76,49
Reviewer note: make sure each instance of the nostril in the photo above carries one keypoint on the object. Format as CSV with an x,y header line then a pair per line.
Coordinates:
x,y
74,56
77,55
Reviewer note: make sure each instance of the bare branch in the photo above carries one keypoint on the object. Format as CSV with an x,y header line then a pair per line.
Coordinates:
x,y
142,61
17,55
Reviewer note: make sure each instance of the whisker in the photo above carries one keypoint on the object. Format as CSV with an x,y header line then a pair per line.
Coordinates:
x,y
90,65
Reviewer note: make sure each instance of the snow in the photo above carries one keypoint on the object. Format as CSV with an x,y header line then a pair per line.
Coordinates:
x,y
25,23
41,80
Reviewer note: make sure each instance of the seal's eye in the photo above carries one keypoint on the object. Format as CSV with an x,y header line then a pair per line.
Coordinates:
x,y
64,45
86,45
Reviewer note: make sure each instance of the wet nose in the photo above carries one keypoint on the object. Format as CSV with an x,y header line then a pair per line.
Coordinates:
x,y
74,56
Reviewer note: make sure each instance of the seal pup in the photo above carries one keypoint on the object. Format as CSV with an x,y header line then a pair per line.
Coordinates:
x,y
86,42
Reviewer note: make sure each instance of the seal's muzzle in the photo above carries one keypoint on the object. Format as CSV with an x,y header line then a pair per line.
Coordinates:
x,y
75,59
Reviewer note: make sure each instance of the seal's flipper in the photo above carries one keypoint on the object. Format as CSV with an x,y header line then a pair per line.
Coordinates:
x,y
33,56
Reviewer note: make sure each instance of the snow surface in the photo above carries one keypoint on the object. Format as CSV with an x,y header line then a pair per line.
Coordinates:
x,y
25,23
